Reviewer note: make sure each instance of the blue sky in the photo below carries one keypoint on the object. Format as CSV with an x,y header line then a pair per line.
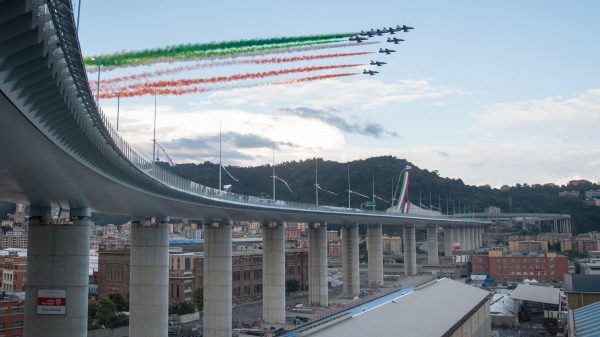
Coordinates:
x,y
493,93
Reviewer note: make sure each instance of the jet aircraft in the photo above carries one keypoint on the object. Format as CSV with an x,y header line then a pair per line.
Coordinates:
x,y
394,40
377,63
357,38
404,28
386,51
370,72
367,33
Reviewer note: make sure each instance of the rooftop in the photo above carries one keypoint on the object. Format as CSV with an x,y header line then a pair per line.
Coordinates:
x,y
539,294
586,321
428,311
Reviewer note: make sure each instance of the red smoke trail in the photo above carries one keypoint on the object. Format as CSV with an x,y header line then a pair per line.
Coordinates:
x,y
146,75
236,77
194,90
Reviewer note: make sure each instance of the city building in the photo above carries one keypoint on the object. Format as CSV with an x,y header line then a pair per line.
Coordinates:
x,y
592,194
504,267
392,244
113,270
587,245
568,194
334,249
492,209
12,316
15,238
581,289
333,235
186,272
591,266
517,245
13,267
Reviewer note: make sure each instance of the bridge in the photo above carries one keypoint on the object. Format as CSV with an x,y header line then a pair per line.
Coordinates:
x,y
59,150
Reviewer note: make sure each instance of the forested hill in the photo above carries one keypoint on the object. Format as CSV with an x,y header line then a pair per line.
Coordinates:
x,y
300,175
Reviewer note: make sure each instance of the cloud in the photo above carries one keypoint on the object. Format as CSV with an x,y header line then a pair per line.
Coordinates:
x,y
326,115
365,94
575,115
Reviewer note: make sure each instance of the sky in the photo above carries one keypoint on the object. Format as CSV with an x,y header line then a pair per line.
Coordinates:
x,y
490,92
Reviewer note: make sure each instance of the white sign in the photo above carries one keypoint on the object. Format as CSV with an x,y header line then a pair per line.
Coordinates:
x,y
51,302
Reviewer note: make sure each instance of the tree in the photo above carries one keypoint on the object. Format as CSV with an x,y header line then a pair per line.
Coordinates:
x,y
119,301
106,311
181,308
198,298
292,285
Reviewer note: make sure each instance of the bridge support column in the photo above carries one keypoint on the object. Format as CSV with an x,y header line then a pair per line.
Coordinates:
x,y
375,251
350,263
274,272
456,236
432,245
217,279
448,241
410,250
472,238
149,278
464,244
58,262
317,265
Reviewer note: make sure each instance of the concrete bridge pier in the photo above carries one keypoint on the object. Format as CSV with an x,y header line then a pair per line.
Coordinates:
x,y
456,236
410,250
464,242
149,277
57,274
273,272
217,279
350,262
432,245
375,251
448,241
473,246
317,265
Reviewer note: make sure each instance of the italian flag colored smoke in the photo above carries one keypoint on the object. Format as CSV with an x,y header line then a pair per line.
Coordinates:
x,y
218,79
149,90
187,51
179,69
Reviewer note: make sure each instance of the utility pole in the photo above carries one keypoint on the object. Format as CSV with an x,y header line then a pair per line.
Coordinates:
x,y
220,157
373,196
154,138
349,186
316,184
273,170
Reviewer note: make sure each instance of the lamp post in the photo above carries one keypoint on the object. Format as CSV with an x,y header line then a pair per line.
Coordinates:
x,y
118,107
98,82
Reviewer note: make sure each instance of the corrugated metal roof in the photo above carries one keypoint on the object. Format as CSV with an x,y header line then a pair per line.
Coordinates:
x,y
587,320
426,312
540,294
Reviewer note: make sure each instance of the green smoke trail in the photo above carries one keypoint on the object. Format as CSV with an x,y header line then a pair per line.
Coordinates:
x,y
210,49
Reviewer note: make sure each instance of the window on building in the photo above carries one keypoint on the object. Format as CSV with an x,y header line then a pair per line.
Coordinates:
x,y
15,324
246,274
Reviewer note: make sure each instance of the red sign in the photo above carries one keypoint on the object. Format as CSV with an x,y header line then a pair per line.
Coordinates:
x,y
51,302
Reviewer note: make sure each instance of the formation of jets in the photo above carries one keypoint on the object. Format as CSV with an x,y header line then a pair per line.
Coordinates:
x,y
365,35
